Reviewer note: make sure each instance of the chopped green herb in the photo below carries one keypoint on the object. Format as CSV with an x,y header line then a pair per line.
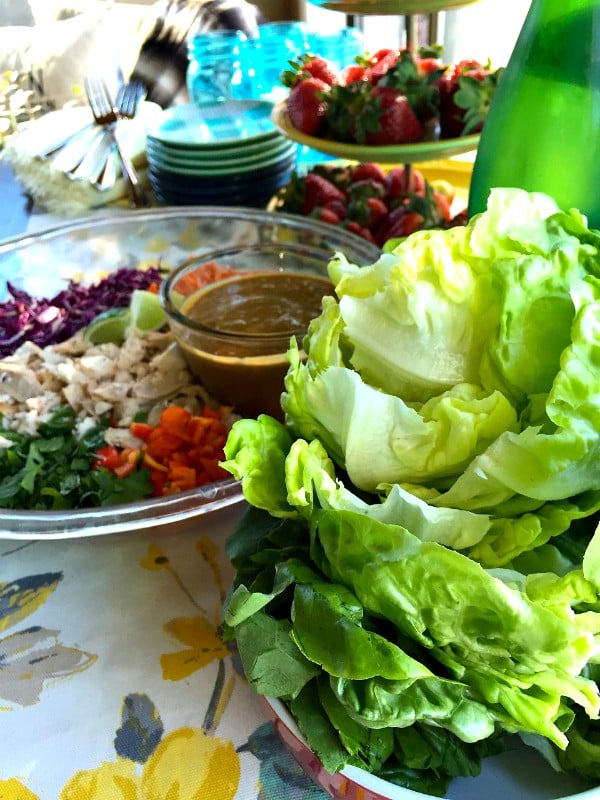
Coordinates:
x,y
53,471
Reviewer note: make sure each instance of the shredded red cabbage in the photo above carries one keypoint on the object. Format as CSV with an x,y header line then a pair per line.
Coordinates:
x,y
44,322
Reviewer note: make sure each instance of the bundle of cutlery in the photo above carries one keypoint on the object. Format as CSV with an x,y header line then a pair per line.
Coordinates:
x,y
92,151
107,113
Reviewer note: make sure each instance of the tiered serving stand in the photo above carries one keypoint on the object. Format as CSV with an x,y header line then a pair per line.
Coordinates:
x,y
426,150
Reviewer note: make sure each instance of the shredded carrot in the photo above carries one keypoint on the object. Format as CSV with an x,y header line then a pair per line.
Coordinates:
x,y
152,463
181,452
206,273
141,430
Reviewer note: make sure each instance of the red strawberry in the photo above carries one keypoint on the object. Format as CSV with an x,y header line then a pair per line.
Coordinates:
x,y
345,104
389,119
399,223
444,206
368,172
425,66
454,70
306,106
360,230
318,191
379,63
444,187
326,215
377,211
320,68
398,183
365,202
420,89
351,74
337,207
310,66
466,91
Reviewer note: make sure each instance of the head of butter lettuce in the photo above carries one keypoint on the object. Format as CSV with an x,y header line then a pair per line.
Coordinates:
x,y
418,573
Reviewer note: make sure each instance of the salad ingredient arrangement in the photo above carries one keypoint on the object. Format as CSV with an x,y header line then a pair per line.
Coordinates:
x,y
182,452
48,321
368,201
390,97
54,468
418,575
109,415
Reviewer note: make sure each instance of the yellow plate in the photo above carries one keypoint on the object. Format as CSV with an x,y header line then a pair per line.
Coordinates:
x,y
456,172
393,6
392,154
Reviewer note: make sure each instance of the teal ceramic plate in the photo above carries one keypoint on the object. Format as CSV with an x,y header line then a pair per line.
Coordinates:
x,y
217,124
237,157
221,183
383,154
192,155
221,169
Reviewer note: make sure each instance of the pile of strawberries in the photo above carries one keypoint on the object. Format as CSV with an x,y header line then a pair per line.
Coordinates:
x,y
388,98
370,202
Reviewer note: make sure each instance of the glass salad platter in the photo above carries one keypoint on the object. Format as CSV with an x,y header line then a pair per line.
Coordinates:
x,y
391,154
89,248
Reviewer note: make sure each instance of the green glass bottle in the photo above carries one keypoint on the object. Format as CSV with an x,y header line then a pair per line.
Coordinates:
x,y
542,132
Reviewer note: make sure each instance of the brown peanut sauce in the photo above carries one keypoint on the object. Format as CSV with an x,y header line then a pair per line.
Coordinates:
x,y
259,303
258,313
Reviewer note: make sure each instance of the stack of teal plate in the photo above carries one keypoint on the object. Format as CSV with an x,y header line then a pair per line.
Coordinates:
x,y
226,153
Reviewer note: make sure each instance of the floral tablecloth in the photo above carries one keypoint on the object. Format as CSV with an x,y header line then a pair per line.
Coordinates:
x,y
114,681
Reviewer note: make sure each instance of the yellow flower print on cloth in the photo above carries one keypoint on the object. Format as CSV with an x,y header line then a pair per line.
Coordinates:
x,y
203,645
187,762
184,764
200,634
281,777
32,656
13,789
187,765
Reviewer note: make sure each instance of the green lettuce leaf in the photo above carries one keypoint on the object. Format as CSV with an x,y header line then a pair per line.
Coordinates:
x,y
422,547
423,371
272,663
255,453
516,653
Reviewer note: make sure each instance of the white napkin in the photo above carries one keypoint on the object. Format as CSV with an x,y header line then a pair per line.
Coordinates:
x,y
45,181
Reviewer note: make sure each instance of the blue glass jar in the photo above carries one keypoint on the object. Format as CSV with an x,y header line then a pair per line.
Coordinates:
x,y
340,47
268,54
215,69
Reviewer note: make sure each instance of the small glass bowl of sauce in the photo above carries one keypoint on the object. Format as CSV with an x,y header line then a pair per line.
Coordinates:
x,y
235,331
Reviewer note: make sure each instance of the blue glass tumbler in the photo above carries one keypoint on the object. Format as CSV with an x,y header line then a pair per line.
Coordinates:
x,y
340,47
214,71
277,44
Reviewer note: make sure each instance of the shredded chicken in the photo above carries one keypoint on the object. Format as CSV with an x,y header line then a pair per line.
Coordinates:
x,y
145,374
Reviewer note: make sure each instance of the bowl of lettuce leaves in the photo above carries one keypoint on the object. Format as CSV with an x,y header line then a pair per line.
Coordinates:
x,y
417,576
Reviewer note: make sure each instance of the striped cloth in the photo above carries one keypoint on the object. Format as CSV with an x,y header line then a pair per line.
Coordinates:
x,y
163,60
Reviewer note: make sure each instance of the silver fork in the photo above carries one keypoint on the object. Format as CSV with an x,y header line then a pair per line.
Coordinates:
x,y
107,114
129,97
